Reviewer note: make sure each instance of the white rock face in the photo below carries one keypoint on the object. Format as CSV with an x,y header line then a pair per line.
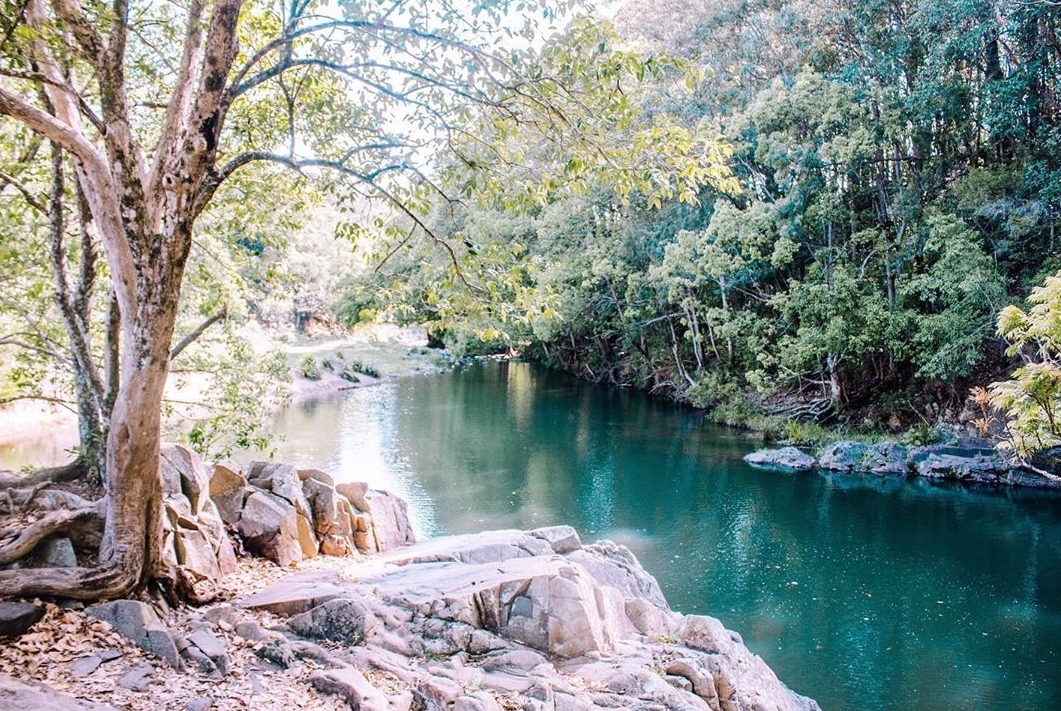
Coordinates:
x,y
465,620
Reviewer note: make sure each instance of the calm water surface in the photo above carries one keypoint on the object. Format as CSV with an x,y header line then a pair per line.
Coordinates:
x,y
864,593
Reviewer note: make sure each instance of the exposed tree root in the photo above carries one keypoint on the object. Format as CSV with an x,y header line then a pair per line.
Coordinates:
x,y
52,475
98,583
62,521
15,500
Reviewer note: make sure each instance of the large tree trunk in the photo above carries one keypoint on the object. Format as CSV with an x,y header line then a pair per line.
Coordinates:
x,y
143,215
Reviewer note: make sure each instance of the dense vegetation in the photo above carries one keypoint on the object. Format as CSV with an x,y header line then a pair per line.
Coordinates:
x,y
897,173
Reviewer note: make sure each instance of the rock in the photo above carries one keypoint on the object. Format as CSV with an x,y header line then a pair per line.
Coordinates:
x,y
784,459
546,603
269,526
16,618
615,566
478,701
847,456
390,521
85,665
354,492
352,686
959,464
297,593
228,489
343,619
456,623
562,539
54,552
202,703
212,647
184,474
278,652
700,681
332,522
323,477
138,679
649,619
706,634
251,631
139,623
283,482
224,615
19,696
194,534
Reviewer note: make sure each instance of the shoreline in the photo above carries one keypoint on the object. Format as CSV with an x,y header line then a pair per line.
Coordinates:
x,y
976,463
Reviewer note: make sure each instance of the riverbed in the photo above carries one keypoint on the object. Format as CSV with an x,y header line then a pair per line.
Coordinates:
x,y
862,592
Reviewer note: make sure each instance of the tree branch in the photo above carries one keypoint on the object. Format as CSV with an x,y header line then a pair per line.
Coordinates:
x,y
221,315
29,197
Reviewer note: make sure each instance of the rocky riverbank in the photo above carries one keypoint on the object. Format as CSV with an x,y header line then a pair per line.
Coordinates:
x,y
501,620
974,463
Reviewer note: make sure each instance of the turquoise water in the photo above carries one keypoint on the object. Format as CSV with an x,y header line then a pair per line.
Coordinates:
x,y
863,593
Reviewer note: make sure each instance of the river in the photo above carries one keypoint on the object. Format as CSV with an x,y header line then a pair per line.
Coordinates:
x,y
865,593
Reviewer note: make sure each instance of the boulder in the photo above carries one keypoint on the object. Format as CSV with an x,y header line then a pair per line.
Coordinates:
x,y
343,619
847,456
615,566
546,603
572,631
323,477
16,618
138,678
184,474
332,521
562,539
282,482
194,534
54,552
981,465
269,526
390,521
228,489
352,686
355,492
141,624
784,459
212,647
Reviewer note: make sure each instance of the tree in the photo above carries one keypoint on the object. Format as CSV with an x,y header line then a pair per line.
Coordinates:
x,y
156,120
1031,398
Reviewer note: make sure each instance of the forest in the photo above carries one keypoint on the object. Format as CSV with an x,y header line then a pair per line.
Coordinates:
x,y
840,213
891,188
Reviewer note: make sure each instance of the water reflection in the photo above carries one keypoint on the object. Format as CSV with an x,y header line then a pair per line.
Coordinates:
x,y
864,592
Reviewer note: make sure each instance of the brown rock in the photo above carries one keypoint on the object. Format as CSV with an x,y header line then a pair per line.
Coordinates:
x,y
269,526
228,489
355,492
390,520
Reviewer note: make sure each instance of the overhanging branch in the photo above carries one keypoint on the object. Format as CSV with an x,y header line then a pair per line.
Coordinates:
x,y
221,315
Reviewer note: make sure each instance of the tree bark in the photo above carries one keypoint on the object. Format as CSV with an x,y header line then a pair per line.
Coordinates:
x,y
144,216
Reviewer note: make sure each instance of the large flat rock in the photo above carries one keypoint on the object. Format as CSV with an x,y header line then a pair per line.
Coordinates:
x,y
18,696
529,617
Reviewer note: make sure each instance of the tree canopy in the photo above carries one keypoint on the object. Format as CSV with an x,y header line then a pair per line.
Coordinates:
x,y
150,112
